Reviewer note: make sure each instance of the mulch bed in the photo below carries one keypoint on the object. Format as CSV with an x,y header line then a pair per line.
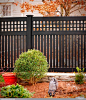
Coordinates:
x,y
65,90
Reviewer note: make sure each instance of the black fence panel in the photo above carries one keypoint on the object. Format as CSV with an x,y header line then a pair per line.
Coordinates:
x,y
65,44
61,39
12,41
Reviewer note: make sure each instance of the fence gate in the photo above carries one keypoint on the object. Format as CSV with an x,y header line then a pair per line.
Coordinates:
x,y
61,39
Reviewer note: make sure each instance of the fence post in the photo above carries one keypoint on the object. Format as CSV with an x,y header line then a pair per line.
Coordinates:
x,y
0,45
0,26
29,32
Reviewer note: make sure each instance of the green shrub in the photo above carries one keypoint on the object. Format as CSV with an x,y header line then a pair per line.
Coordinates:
x,y
1,79
18,91
31,65
79,78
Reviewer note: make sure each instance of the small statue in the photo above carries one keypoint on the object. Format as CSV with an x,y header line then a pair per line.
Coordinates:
x,y
53,85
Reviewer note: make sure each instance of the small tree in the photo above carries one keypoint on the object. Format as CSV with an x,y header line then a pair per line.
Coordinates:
x,y
52,8
79,78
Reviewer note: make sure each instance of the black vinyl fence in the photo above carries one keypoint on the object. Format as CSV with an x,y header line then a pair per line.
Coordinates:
x,y
61,39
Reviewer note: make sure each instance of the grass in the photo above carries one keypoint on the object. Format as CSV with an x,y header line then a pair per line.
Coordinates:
x,y
1,79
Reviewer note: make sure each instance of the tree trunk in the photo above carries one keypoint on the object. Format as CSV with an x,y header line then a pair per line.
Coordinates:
x,y
67,13
61,11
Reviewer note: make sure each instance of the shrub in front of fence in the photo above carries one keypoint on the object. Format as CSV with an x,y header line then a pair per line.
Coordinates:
x,y
18,91
31,66
79,77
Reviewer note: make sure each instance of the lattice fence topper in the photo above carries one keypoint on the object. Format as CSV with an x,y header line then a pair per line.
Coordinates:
x,y
13,26
59,25
44,26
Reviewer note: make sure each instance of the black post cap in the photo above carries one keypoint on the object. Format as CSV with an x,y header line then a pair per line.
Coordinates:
x,y
29,15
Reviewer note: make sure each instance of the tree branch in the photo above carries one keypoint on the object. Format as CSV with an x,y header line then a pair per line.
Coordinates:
x,y
76,3
75,10
58,11
73,6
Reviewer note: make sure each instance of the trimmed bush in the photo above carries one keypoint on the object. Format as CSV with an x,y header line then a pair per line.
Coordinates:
x,y
31,65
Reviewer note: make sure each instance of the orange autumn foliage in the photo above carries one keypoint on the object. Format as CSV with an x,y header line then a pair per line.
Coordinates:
x,y
16,3
50,8
31,0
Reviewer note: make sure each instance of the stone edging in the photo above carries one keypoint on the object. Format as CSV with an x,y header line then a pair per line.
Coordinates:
x,y
59,77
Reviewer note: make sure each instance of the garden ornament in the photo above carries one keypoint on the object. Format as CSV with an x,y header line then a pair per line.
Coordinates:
x,y
53,85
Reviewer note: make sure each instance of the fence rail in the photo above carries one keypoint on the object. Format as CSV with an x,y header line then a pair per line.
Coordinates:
x,y
61,39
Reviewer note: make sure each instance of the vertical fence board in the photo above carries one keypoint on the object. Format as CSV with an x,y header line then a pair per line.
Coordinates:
x,y
39,42
17,47
9,51
23,42
20,44
33,42
54,51
13,51
81,50
75,51
57,51
2,51
44,45
84,50
72,51
5,51
69,51
66,49
63,51
48,48
78,50
51,51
